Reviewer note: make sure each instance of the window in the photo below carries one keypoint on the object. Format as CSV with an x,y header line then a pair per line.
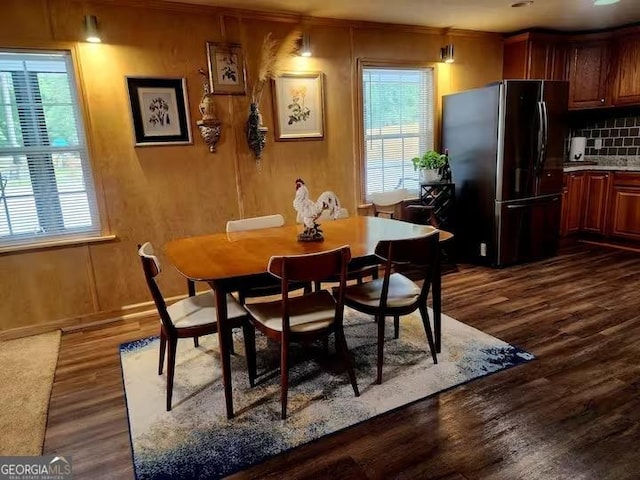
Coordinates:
x,y
46,186
398,122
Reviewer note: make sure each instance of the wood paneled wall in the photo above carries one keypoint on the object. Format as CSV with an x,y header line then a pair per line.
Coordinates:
x,y
161,193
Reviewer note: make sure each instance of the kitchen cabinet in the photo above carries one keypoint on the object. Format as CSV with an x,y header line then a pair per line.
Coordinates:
x,y
535,56
595,195
627,72
589,74
572,203
624,211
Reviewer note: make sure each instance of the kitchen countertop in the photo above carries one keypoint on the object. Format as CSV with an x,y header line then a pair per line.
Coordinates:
x,y
612,168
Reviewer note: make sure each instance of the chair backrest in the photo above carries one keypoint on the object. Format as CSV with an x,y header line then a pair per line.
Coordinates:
x,y
255,223
385,202
311,268
420,252
151,268
342,213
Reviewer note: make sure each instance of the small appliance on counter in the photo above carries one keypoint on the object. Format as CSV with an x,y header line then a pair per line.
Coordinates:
x,y
576,149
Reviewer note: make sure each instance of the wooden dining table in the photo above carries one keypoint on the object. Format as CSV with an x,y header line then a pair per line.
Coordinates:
x,y
227,261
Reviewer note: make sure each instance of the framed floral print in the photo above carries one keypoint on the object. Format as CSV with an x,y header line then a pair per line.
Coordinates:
x,y
226,68
159,111
299,106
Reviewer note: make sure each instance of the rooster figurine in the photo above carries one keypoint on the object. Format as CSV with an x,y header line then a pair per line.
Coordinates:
x,y
309,211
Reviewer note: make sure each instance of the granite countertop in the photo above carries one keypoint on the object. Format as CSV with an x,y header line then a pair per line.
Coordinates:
x,y
630,163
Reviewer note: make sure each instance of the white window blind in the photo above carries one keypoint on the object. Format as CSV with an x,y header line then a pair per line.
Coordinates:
x,y
398,121
46,186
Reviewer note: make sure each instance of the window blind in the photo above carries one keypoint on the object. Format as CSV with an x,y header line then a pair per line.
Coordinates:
x,y
46,185
398,121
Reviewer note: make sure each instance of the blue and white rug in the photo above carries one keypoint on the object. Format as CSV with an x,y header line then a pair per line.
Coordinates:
x,y
195,439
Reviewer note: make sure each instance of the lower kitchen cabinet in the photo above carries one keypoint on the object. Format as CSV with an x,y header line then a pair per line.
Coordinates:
x,y
572,200
596,191
624,211
601,203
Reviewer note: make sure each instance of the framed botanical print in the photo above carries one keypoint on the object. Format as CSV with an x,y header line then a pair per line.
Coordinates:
x,y
299,106
226,68
159,111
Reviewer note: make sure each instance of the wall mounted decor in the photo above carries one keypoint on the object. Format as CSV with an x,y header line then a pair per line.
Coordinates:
x,y
209,126
299,106
159,111
226,69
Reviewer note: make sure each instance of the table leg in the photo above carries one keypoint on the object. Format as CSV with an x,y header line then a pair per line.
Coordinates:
x,y
221,306
437,301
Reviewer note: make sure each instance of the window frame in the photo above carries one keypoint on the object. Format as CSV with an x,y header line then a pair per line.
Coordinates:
x,y
98,208
362,64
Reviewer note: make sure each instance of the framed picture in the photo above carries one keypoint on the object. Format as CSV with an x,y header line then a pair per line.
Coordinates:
x,y
299,106
226,68
159,110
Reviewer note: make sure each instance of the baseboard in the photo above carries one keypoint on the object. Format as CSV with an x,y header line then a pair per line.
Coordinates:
x,y
127,313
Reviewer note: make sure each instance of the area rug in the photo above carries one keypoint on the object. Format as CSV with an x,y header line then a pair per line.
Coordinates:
x,y
27,368
195,439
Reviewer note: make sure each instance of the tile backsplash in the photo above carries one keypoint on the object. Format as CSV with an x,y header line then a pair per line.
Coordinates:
x,y
620,135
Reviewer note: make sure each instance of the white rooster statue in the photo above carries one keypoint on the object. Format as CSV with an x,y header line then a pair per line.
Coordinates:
x,y
309,211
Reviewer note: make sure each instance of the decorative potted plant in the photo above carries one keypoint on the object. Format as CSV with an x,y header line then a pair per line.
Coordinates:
x,y
429,166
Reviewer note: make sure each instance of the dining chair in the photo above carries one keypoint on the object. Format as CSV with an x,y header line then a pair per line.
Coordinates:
x,y
394,294
306,318
358,269
262,285
193,316
385,203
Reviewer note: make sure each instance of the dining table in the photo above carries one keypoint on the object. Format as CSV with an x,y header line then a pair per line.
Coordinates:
x,y
228,261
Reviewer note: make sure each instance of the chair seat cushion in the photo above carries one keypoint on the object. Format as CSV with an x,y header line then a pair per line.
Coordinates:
x,y
402,292
201,310
308,313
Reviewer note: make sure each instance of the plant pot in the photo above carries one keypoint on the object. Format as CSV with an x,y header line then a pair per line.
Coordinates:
x,y
429,175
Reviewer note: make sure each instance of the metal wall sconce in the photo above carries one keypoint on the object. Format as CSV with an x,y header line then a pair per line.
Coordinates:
x,y
256,133
210,131
304,45
447,54
91,30
209,126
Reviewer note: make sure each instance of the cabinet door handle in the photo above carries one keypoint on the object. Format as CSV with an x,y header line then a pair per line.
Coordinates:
x,y
602,100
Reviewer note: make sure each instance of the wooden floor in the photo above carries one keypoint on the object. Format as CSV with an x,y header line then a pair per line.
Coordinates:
x,y
574,413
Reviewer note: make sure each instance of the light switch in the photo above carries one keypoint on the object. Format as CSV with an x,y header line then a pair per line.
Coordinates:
x,y
598,143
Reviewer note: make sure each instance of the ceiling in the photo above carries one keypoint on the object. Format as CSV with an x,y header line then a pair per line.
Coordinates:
x,y
484,15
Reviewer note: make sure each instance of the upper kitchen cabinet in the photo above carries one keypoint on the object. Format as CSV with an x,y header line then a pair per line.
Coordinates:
x,y
535,56
589,74
626,89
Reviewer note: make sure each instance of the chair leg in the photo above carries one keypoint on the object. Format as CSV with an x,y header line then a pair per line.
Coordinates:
x,y
229,340
396,326
249,335
163,348
171,365
341,345
284,377
380,347
427,329
196,343
317,286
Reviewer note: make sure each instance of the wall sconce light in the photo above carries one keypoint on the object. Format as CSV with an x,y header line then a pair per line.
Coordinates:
x,y
91,31
446,53
304,49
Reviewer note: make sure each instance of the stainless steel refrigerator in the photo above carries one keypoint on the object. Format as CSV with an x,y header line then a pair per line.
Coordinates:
x,y
506,147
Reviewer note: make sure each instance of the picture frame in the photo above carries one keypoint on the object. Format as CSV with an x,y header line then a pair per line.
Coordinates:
x,y
227,75
159,111
298,104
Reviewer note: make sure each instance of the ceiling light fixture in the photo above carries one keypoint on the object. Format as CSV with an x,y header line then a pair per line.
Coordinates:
x,y
604,2
521,4
91,31
446,53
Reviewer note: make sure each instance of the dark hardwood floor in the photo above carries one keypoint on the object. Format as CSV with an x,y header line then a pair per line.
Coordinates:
x,y
574,413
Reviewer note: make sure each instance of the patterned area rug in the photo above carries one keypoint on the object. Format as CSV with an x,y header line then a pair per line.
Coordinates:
x,y
195,439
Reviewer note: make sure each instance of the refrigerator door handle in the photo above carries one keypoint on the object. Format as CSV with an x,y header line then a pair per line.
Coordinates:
x,y
541,127
545,144
528,205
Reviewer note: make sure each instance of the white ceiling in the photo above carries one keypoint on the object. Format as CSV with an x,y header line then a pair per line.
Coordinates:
x,y
485,15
